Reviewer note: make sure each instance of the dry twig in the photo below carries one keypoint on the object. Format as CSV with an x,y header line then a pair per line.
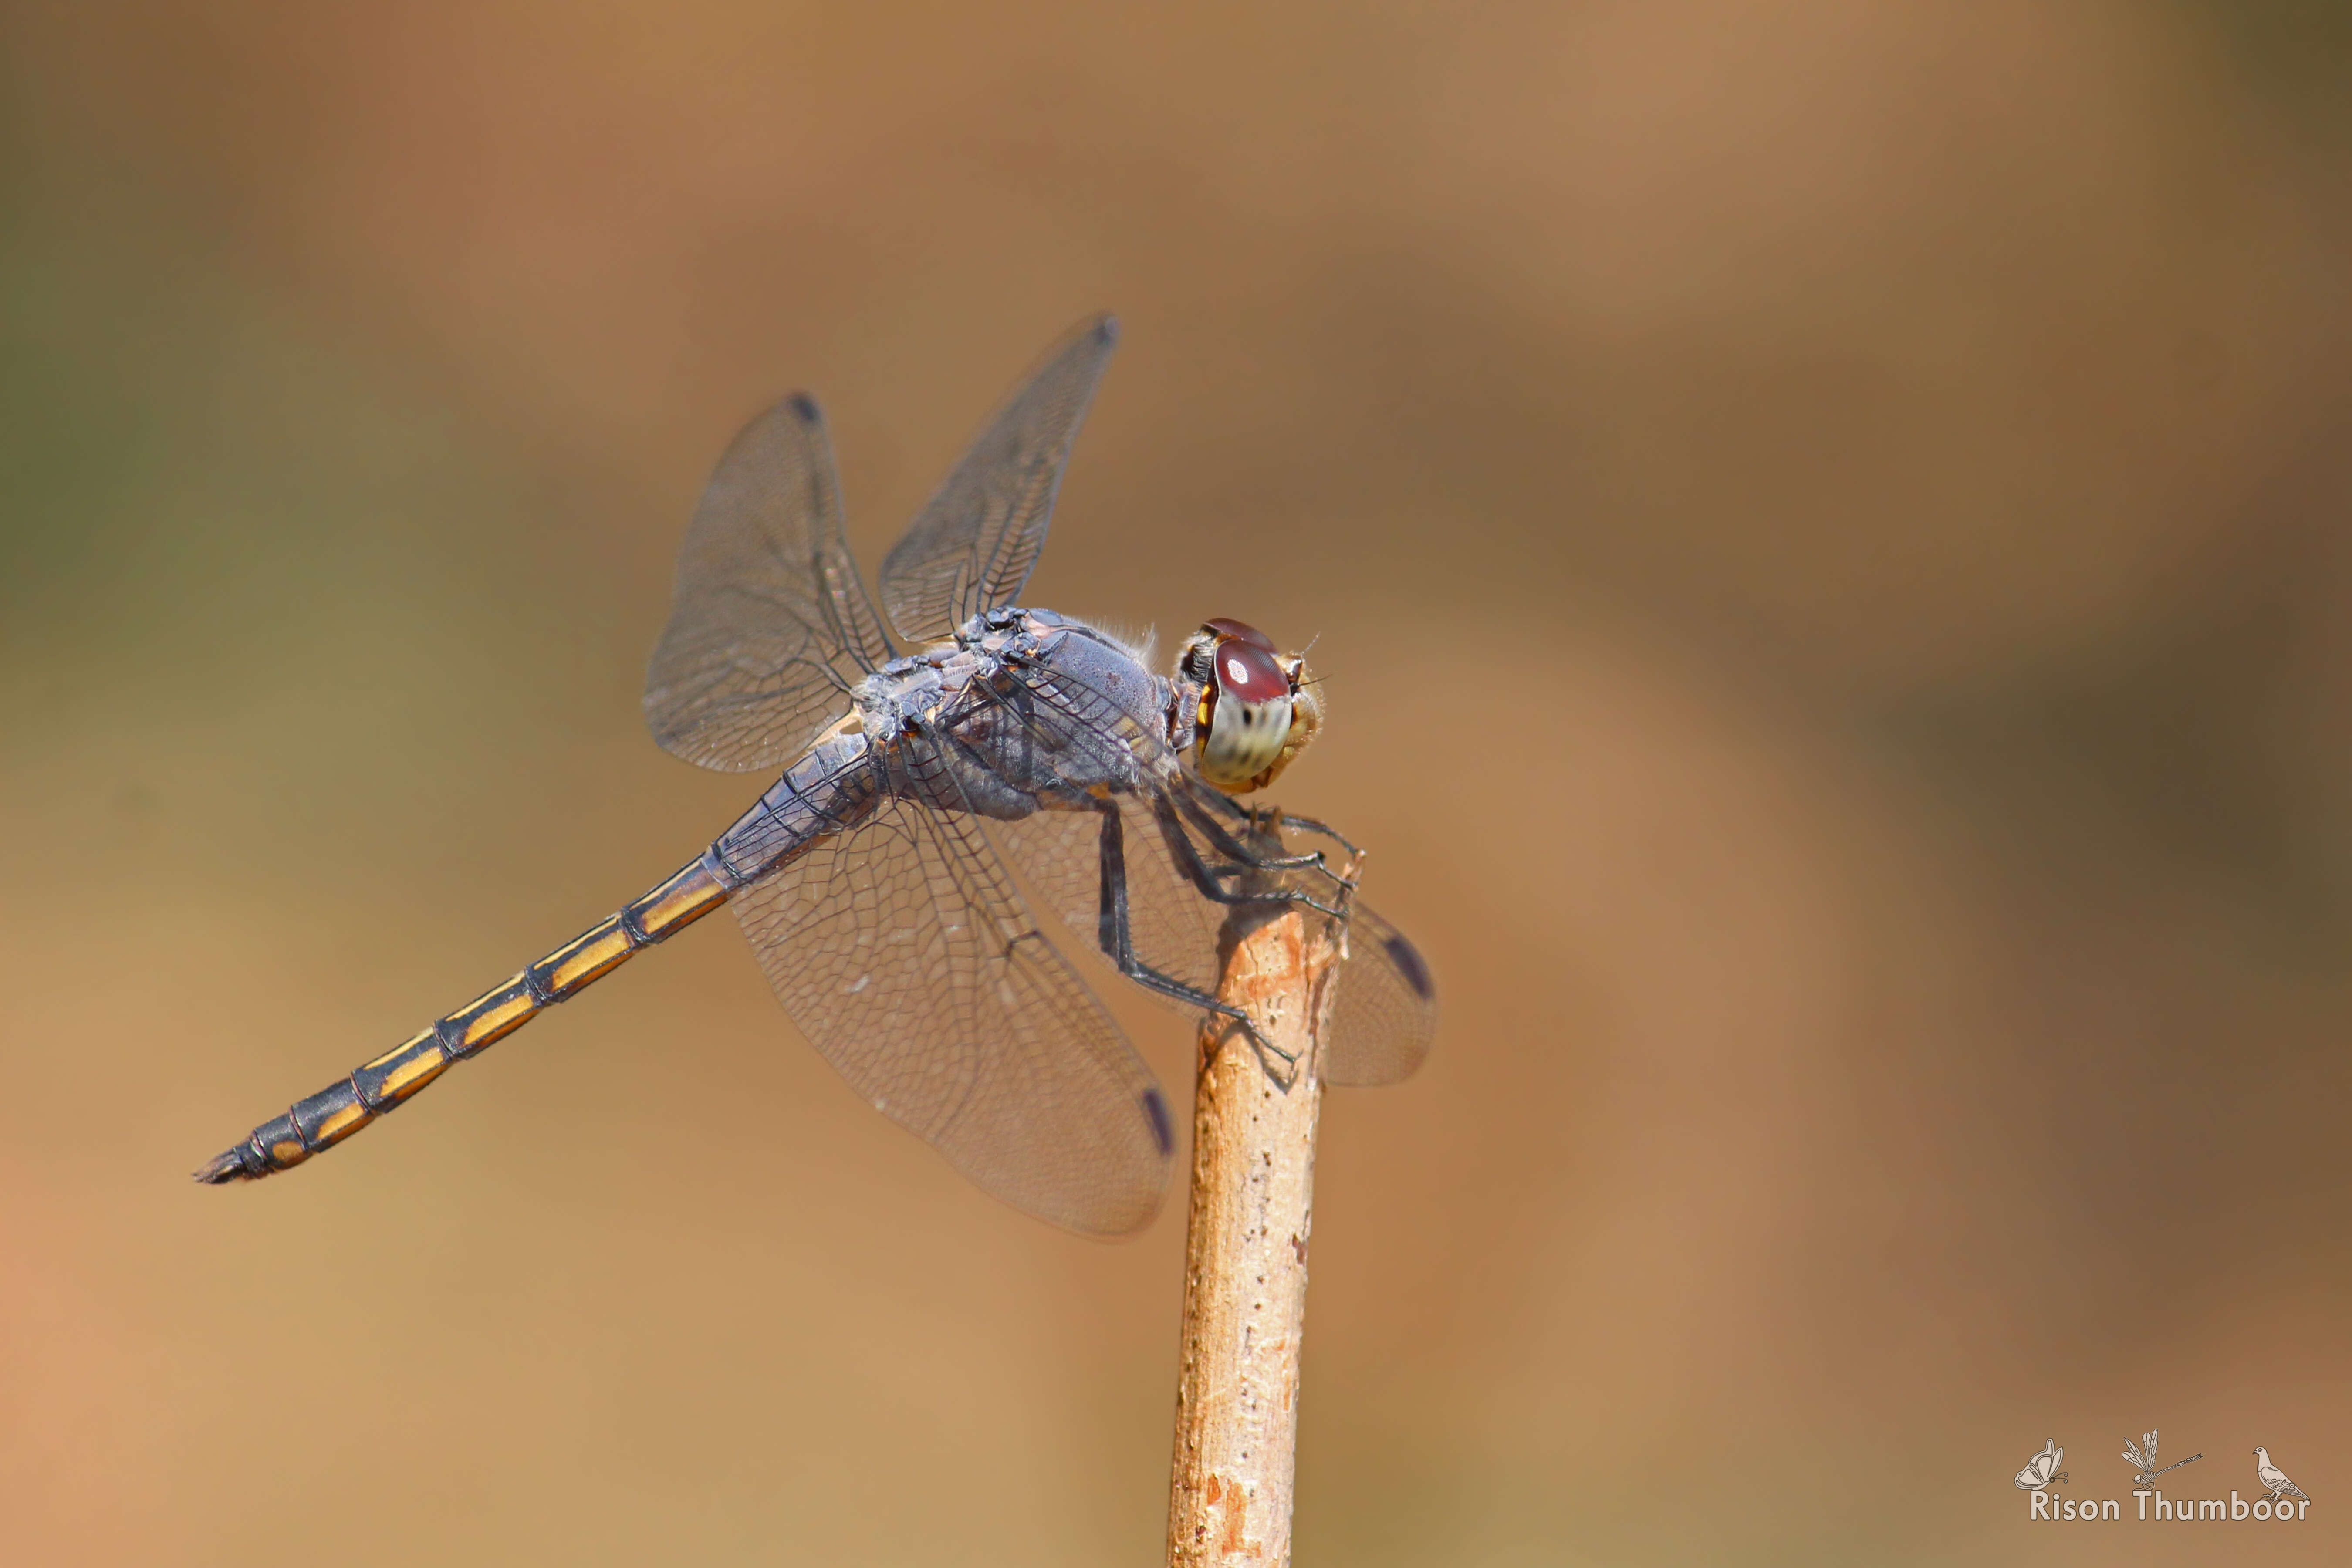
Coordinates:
x,y
1245,1246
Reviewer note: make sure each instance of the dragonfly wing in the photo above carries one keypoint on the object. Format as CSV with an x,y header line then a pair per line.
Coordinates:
x,y
1082,733
903,951
976,541
1171,926
770,624
1386,1016
1387,1012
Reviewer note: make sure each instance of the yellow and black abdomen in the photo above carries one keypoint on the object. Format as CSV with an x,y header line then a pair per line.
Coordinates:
x,y
334,1113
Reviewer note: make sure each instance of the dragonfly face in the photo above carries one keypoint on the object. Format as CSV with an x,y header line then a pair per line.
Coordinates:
x,y
874,877
1252,710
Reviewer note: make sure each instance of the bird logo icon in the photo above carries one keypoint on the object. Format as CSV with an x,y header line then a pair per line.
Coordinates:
x,y
2143,1458
2042,1470
2275,1480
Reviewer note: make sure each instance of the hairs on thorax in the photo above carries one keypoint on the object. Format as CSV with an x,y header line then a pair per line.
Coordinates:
x,y
1143,647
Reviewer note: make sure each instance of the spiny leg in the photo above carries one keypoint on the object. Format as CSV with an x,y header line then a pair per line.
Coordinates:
x,y
1224,843
1113,932
1309,825
1205,877
1256,820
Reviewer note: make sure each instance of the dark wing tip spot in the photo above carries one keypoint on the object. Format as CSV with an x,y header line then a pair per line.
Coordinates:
x,y
1163,1132
1409,963
804,408
1106,327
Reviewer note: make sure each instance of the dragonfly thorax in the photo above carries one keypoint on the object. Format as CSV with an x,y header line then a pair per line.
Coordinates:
x,y
902,693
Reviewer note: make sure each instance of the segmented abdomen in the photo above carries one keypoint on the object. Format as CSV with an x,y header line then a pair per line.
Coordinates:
x,y
334,1113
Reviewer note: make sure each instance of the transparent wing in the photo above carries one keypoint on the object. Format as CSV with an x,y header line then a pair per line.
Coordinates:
x,y
974,544
1387,1013
1386,1016
770,624
904,954
1172,928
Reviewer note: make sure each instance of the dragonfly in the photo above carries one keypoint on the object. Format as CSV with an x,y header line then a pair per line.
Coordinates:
x,y
2143,1459
926,761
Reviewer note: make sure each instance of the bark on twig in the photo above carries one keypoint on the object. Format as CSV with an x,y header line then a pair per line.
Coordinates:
x,y
1245,1248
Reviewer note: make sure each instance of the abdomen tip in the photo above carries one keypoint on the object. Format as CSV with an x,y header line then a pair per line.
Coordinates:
x,y
223,1168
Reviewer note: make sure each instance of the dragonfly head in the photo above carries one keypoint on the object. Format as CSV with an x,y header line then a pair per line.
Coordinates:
x,y
1252,710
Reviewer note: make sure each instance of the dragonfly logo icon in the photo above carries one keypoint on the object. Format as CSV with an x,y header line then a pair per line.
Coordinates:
x,y
2142,1458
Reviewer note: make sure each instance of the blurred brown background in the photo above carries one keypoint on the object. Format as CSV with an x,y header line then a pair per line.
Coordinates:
x,y
1828,529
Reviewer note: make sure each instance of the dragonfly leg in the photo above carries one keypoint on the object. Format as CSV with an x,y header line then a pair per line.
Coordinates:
x,y
1308,824
1223,842
1256,819
1204,877
1114,933
1288,821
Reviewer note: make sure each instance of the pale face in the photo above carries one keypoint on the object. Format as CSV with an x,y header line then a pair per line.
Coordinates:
x,y
1252,718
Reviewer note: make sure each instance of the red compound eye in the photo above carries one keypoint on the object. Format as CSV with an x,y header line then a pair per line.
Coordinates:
x,y
1248,673
1241,630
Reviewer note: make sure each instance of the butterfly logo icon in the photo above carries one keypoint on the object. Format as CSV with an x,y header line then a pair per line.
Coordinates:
x,y
2042,1470
2143,1458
